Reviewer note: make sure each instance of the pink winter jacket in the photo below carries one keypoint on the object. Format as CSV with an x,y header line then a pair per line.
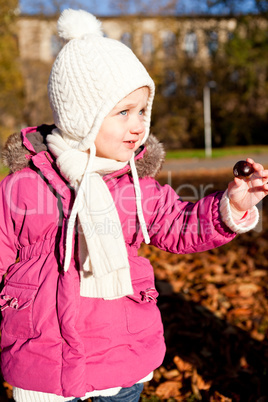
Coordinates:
x,y
53,340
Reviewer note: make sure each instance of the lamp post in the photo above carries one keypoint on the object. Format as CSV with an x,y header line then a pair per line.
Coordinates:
x,y
207,117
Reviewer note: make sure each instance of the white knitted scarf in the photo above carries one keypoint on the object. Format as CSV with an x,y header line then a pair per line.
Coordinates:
x,y
104,266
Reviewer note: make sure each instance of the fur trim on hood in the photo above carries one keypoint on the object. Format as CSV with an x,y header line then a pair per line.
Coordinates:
x,y
15,154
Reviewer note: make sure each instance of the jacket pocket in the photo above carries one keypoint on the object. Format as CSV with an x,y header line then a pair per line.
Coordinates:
x,y
16,302
141,309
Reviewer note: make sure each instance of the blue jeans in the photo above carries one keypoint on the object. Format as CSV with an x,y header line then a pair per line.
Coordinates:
x,y
131,394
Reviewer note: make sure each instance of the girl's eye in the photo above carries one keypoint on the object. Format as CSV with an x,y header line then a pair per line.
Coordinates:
x,y
142,111
123,112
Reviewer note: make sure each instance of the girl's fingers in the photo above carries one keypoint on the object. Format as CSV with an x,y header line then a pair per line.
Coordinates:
x,y
238,182
264,174
256,166
250,160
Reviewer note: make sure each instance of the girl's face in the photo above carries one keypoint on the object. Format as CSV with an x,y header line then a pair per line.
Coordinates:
x,y
123,128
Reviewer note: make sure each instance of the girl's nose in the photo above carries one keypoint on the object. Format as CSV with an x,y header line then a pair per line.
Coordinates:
x,y
137,127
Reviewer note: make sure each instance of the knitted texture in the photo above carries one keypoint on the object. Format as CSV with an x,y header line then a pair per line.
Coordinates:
x,y
90,75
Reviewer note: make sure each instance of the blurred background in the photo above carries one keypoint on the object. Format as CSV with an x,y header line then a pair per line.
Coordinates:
x,y
190,47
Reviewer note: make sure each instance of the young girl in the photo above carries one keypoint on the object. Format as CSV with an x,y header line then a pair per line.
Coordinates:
x,y
79,306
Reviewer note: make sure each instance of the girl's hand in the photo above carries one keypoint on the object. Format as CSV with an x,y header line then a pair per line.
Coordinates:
x,y
244,193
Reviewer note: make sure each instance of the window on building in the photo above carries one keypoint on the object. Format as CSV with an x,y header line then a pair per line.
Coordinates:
x,y
169,43
190,44
147,44
170,84
56,44
126,38
191,86
212,42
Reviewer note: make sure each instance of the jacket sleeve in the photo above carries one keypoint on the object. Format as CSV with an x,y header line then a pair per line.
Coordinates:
x,y
8,242
185,227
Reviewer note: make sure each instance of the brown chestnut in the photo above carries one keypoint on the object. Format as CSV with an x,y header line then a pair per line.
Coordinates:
x,y
243,169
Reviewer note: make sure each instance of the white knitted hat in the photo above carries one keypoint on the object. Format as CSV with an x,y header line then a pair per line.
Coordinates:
x,y
90,75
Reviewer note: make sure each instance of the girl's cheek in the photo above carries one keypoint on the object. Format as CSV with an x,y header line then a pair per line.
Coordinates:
x,y
140,141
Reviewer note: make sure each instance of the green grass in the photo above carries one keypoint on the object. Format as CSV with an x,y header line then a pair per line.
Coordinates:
x,y
217,152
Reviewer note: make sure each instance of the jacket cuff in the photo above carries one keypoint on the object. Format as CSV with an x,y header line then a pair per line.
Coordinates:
x,y
248,222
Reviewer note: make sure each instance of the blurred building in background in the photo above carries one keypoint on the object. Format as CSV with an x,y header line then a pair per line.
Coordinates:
x,y
181,53
151,38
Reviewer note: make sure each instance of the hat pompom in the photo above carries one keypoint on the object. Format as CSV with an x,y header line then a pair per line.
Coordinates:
x,y
74,24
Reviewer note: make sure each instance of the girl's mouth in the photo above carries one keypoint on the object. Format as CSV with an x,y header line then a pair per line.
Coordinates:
x,y
130,144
